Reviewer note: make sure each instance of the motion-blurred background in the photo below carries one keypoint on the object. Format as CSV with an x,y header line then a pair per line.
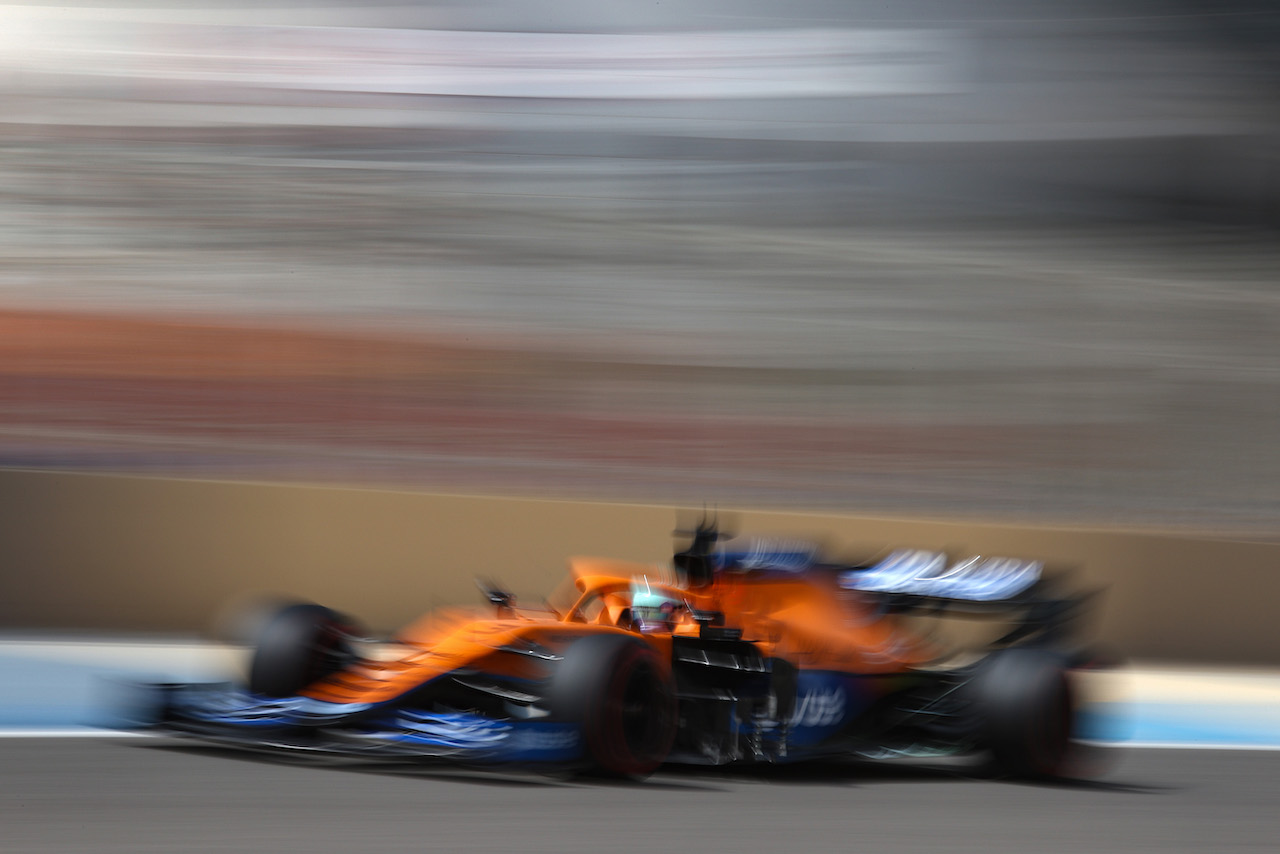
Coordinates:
x,y
954,257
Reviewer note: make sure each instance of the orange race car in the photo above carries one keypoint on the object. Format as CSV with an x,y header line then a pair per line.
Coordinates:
x,y
755,653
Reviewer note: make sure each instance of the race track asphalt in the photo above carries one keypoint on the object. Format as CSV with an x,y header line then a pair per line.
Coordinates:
x,y
138,795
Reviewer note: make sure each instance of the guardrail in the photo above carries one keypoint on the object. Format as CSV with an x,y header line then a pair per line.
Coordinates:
x,y
137,554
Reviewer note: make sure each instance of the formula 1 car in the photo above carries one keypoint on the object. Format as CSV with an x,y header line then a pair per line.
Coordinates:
x,y
757,653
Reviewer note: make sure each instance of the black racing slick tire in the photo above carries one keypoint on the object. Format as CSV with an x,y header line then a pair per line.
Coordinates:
x,y
1026,713
617,689
297,645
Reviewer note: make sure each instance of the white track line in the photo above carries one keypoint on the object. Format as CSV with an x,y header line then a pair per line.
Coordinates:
x,y
1183,745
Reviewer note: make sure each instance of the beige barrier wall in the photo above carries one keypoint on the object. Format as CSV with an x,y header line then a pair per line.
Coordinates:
x,y
117,553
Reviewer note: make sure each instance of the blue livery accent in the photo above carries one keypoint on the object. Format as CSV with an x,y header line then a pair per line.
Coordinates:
x,y
778,555
483,739
234,707
825,703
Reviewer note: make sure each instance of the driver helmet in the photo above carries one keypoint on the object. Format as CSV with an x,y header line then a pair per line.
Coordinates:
x,y
652,611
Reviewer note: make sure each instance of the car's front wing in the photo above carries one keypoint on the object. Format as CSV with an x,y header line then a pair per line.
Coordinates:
x,y
227,714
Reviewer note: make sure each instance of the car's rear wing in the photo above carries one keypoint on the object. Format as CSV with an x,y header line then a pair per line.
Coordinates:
x,y
924,573
924,582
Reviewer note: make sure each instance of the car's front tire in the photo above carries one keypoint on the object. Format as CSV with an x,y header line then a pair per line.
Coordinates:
x,y
297,645
616,688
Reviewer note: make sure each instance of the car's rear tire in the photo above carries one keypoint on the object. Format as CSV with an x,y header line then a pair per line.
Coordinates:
x,y
617,689
1025,712
297,645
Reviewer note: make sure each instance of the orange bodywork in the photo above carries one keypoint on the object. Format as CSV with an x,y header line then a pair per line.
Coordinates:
x,y
807,621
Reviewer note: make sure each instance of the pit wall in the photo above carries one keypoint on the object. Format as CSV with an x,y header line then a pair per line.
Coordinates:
x,y
128,554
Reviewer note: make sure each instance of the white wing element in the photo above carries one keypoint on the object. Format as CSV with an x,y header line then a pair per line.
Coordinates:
x,y
925,573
